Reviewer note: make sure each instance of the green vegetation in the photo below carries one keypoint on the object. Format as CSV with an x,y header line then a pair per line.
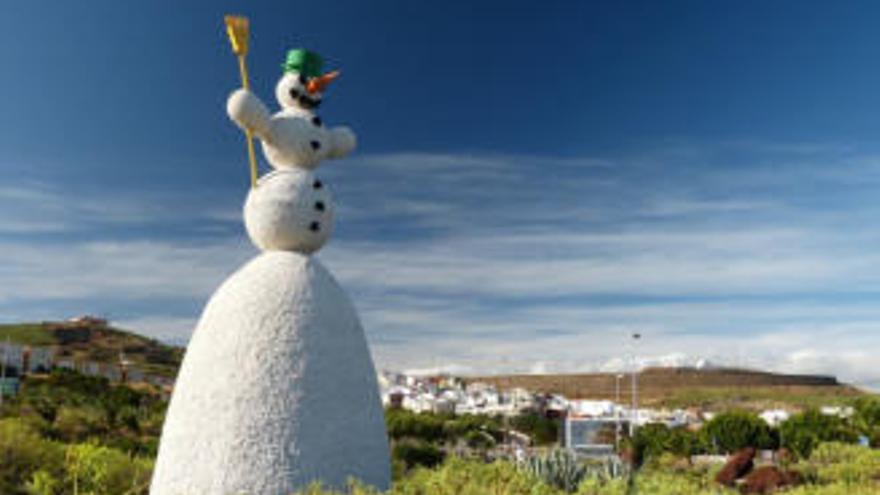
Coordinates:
x,y
735,430
67,433
70,433
558,468
71,408
803,432
758,398
731,431
450,428
27,334
833,469
541,430
32,464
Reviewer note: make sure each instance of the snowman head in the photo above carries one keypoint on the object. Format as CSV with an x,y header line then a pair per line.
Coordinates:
x,y
290,210
296,91
302,85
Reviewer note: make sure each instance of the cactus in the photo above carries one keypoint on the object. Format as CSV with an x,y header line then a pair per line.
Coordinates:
x,y
559,468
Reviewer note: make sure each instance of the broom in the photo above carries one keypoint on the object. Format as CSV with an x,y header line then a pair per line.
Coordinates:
x,y
237,29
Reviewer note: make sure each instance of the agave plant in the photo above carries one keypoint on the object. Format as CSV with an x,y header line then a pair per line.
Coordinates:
x,y
559,468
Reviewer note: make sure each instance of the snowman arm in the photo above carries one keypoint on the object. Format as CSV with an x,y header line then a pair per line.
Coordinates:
x,y
343,142
246,110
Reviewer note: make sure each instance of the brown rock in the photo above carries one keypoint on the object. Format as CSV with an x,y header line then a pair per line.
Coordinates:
x,y
736,467
769,479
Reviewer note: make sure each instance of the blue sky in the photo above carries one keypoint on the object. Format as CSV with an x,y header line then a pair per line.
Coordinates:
x,y
532,183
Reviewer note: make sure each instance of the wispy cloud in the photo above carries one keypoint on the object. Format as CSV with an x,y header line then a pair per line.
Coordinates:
x,y
745,253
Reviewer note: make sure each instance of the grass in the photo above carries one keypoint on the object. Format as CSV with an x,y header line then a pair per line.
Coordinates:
x,y
759,398
34,334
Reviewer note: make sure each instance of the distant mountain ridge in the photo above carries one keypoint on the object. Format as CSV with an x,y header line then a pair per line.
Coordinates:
x,y
685,386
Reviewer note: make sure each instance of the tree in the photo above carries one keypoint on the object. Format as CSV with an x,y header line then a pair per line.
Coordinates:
x,y
543,431
655,439
803,432
735,430
99,470
22,453
866,418
416,453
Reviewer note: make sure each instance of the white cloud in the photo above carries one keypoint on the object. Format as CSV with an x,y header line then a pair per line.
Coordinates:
x,y
121,269
516,263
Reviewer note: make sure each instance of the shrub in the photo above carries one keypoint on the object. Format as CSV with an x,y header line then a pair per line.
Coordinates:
x,y
736,430
866,418
402,424
76,424
803,432
838,462
22,453
669,483
479,440
543,431
43,483
414,452
462,477
99,470
654,440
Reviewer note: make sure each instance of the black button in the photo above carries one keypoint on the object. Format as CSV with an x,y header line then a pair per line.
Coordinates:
x,y
316,145
317,184
319,205
315,226
316,121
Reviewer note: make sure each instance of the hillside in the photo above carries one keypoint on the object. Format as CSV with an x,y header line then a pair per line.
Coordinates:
x,y
93,340
717,388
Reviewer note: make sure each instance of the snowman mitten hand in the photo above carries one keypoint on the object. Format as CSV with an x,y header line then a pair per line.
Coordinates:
x,y
343,142
246,110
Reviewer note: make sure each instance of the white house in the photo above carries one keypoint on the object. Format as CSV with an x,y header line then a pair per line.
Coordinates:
x,y
592,408
11,355
774,417
40,360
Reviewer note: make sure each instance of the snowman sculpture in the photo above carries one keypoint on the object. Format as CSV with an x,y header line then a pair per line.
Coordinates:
x,y
277,389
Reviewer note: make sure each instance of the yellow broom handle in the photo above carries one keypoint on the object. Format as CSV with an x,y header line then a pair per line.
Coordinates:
x,y
252,158
242,68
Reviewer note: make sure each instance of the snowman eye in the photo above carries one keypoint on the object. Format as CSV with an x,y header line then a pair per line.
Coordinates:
x,y
302,79
294,93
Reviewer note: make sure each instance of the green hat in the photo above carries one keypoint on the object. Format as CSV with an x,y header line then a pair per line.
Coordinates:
x,y
303,61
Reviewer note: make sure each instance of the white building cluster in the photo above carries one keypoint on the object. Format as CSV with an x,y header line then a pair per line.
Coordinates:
x,y
447,394
17,360
589,425
454,395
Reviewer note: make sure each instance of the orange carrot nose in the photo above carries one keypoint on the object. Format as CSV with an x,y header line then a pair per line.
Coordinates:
x,y
317,85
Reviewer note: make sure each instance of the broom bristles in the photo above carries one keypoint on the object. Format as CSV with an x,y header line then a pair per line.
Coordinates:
x,y
237,29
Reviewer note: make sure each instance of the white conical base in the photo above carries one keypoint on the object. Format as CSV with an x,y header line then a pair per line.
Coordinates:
x,y
277,389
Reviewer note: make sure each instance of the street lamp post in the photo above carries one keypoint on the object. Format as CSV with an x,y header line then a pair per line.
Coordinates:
x,y
617,379
635,389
